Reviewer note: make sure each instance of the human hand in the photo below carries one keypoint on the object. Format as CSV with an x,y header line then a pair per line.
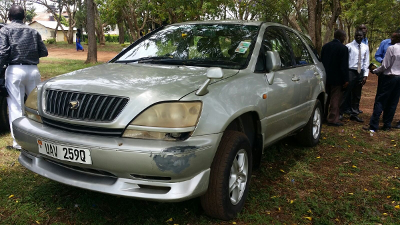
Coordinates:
x,y
364,81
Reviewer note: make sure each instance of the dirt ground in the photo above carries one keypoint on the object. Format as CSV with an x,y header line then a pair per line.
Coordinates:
x,y
73,54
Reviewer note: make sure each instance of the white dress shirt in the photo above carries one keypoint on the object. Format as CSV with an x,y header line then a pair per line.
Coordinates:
x,y
391,62
353,56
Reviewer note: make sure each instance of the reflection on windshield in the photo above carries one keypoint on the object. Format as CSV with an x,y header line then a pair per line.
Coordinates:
x,y
222,45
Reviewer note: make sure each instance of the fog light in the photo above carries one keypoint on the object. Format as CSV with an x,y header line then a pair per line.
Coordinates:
x,y
33,116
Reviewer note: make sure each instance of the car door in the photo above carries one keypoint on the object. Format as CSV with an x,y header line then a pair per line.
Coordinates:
x,y
282,93
306,74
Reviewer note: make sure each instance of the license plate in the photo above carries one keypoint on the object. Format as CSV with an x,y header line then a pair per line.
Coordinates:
x,y
65,153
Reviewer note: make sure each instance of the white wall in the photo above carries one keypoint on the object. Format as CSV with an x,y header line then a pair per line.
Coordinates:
x,y
47,33
43,31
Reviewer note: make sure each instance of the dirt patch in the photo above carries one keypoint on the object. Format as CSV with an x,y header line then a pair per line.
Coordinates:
x,y
73,54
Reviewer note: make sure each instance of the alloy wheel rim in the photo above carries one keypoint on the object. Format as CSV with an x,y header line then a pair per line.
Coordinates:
x,y
316,123
238,176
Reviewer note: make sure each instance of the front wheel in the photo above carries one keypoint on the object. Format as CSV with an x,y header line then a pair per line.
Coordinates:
x,y
310,134
230,177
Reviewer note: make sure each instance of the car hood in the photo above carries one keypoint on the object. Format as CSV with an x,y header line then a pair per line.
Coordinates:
x,y
152,82
143,84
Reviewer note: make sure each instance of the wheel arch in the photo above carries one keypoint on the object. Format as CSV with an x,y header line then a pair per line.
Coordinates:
x,y
249,124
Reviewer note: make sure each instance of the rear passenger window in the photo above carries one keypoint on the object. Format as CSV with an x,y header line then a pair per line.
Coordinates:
x,y
274,40
301,54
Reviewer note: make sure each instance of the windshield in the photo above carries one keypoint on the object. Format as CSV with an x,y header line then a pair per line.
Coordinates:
x,y
221,45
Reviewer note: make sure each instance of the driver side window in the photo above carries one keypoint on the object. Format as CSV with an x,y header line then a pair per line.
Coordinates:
x,y
274,40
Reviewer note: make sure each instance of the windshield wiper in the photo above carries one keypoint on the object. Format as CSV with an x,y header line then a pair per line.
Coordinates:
x,y
211,62
146,59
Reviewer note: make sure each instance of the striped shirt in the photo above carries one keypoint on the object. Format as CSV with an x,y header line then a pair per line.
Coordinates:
x,y
20,44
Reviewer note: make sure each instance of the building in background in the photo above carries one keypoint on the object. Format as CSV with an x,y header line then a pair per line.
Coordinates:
x,y
48,28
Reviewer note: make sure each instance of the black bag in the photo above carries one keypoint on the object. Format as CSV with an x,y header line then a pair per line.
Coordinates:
x,y
3,90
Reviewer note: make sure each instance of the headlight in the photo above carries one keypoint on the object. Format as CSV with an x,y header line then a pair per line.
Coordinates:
x,y
31,106
31,101
165,121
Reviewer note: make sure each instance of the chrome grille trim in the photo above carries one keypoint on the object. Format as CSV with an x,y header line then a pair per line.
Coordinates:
x,y
92,107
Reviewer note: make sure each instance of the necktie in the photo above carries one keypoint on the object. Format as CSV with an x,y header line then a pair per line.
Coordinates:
x,y
359,59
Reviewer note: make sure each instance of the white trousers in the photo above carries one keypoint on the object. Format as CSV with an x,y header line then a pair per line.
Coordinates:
x,y
20,81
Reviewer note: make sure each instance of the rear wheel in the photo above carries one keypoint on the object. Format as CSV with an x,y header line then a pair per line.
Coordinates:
x,y
4,125
230,177
310,134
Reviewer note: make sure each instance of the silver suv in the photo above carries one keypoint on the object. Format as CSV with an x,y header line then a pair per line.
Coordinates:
x,y
184,112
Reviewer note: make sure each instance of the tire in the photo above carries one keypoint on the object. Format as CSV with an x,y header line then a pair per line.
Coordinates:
x,y
4,125
219,202
309,136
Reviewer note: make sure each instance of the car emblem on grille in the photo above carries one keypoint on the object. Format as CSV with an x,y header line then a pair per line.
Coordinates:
x,y
74,104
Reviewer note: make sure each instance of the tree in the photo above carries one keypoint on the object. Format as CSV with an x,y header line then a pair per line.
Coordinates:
x,y
70,6
92,44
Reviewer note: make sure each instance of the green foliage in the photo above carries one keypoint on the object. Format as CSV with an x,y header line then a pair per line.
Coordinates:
x,y
30,13
63,21
51,41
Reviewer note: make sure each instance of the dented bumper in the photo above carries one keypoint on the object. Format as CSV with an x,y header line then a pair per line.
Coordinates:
x,y
147,169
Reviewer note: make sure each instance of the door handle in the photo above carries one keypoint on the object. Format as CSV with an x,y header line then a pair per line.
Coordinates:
x,y
295,78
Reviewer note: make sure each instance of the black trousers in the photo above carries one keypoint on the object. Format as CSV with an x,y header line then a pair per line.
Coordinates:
x,y
386,100
352,94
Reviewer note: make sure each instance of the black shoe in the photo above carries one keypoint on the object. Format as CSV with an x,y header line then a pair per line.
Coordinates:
x,y
368,128
335,124
356,118
397,126
348,112
386,128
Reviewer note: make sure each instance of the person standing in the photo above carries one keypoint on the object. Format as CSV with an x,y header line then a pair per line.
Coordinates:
x,y
78,41
358,73
380,54
388,94
334,57
20,48
364,29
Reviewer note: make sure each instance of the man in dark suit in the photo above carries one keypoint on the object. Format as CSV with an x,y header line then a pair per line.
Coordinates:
x,y
335,57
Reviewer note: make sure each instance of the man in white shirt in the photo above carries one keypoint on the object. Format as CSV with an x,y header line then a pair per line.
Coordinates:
x,y
358,73
388,91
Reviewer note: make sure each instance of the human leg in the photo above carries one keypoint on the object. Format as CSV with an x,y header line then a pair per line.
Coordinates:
x,y
381,99
16,91
393,100
334,110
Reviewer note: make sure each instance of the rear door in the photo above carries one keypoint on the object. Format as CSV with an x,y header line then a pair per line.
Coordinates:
x,y
306,75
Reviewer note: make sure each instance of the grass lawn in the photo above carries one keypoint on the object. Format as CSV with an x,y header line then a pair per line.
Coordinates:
x,y
350,177
50,67
109,47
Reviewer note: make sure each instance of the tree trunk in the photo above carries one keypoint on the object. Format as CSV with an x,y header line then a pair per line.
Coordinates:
x,y
315,22
121,32
336,10
92,44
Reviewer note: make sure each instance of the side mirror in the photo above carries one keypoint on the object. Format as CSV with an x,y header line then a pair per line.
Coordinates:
x,y
212,73
215,73
273,63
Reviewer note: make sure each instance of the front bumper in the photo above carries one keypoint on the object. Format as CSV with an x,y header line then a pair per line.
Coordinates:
x,y
146,169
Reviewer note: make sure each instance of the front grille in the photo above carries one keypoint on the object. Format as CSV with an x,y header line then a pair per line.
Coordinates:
x,y
83,170
83,129
90,107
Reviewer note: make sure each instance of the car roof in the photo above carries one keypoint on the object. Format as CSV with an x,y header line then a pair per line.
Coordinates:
x,y
242,22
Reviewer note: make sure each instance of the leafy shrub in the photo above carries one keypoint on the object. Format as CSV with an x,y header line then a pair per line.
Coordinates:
x,y
124,45
51,41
